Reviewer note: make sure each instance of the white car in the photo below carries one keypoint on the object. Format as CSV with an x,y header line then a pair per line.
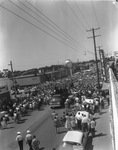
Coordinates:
x,y
89,101
81,113
74,140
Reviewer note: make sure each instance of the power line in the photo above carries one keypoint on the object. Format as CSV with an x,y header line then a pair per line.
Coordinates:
x,y
43,24
58,28
81,13
38,28
73,21
67,35
96,18
95,13
63,32
75,15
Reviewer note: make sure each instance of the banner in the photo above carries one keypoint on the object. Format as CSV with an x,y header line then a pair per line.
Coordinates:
x,y
103,65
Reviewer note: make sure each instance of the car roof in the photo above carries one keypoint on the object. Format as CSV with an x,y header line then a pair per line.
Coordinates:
x,y
89,100
83,112
73,136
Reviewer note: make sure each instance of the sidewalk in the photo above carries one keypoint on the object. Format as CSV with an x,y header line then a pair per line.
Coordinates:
x,y
7,136
103,137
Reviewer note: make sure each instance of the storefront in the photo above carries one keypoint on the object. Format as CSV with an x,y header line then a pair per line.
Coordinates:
x,y
4,97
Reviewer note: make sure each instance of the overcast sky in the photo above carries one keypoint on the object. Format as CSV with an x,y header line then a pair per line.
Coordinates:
x,y
38,33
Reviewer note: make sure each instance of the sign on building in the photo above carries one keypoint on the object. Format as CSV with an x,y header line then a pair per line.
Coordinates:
x,y
103,65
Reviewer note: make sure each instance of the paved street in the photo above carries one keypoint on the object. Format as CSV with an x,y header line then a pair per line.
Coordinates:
x,y
40,124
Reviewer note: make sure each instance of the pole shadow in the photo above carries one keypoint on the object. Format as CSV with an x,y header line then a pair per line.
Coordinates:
x,y
99,135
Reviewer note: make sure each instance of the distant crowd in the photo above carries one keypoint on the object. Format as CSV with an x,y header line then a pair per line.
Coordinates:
x,y
79,87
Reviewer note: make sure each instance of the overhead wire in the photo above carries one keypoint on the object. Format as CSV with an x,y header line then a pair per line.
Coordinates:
x,y
73,41
66,34
75,15
81,13
95,13
57,27
44,24
39,28
96,19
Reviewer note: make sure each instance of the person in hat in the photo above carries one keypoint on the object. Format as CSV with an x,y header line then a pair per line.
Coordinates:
x,y
19,139
29,138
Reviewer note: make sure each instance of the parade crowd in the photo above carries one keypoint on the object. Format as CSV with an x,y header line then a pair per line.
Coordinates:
x,y
81,87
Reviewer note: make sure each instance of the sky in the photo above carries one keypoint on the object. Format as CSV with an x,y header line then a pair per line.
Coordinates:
x,y
39,33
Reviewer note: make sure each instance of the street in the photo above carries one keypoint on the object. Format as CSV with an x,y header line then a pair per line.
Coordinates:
x,y
41,125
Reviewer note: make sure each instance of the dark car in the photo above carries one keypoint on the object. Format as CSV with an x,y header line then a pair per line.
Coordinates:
x,y
57,100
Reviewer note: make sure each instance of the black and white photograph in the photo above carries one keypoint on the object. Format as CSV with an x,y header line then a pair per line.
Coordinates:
x,y
58,74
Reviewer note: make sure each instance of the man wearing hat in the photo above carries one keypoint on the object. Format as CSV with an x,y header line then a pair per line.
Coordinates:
x,y
19,139
29,138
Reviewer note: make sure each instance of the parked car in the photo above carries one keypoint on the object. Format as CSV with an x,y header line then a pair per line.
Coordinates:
x,y
74,140
57,100
81,113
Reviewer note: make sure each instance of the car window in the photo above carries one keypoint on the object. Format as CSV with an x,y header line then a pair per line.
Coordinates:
x,y
71,143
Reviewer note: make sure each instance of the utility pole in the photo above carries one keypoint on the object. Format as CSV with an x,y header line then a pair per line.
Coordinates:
x,y
12,72
94,36
99,48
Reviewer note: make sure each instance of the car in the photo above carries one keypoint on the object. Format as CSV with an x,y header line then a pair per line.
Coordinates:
x,y
74,140
89,101
81,113
57,100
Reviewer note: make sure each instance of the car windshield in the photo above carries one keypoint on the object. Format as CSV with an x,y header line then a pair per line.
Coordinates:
x,y
71,143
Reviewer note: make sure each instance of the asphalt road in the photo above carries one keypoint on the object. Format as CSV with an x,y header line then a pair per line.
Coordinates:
x,y
41,125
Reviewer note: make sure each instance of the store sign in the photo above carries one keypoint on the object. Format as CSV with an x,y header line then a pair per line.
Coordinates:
x,y
103,65
3,89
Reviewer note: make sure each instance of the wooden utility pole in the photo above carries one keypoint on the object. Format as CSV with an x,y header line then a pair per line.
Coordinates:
x,y
12,72
94,36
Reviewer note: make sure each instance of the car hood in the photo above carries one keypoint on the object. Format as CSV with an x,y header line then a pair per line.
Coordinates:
x,y
70,147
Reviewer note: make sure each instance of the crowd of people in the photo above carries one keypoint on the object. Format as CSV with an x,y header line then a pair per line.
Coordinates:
x,y
84,97
80,86
30,139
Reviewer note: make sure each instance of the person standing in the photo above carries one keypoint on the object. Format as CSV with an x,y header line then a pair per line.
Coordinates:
x,y
19,139
92,127
56,123
35,143
73,124
85,122
79,121
29,138
68,123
